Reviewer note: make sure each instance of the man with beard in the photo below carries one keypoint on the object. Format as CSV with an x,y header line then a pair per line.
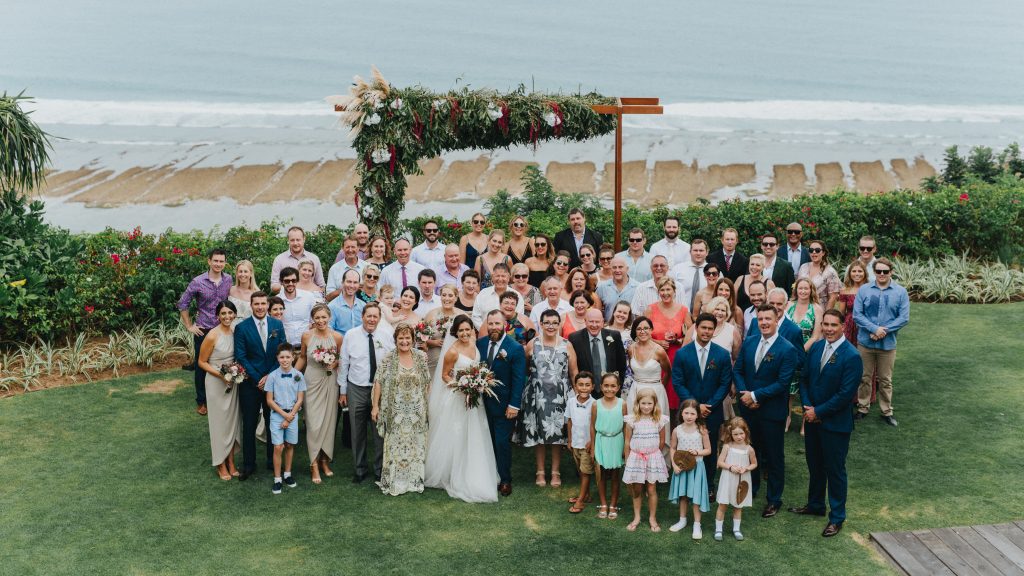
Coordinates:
x,y
671,247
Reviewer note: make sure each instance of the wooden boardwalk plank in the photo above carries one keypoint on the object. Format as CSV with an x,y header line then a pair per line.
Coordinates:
x,y
922,553
969,555
1012,533
1008,548
999,560
900,556
944,553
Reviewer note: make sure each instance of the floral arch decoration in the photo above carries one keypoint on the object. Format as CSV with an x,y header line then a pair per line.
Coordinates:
x,y
393,128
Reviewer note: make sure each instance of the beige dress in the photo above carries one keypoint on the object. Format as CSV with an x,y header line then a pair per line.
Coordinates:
x,y
224,416
243,308
321,403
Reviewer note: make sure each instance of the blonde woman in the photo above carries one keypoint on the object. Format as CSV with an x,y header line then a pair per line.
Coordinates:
x,y
494,255
473,244
805,311
755,273
521,284
242,289
306,271
320,408
520,245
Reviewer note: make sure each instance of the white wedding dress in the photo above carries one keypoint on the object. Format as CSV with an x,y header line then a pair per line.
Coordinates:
x,y
460,457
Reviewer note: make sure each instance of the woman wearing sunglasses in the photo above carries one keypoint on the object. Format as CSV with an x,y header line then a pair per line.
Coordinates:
x,y
368,291
543,257
822,274
474,243
520,246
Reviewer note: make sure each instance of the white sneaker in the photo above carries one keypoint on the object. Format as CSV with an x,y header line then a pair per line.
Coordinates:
x,y
738,534
678,525
718,536
697,532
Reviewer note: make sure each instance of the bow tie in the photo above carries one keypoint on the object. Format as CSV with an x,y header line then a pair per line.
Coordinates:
x,y
288,375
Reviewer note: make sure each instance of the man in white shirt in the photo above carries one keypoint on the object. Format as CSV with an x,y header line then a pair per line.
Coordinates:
x,y
291,257
866,249
637,258
796,253
552,290
690,275
428,300
490,298
349,261
620,288
452,270
646,293
429,254
403,271
671,247
297,306
362,351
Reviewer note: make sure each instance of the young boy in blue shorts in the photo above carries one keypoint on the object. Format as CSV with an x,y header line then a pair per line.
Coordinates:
x,y
285,388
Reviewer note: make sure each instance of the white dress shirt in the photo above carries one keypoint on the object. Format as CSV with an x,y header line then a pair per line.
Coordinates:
x,y
486,301
392,275
336,273
563,308
683,274
767,343
296,315
354,361
675,251
428,257
794,256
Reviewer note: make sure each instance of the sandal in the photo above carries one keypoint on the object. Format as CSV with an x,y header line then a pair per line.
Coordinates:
x,y
576,508
315,473
632,525
556,479
613,513
655,527
602,511
576,499
540,478
325,469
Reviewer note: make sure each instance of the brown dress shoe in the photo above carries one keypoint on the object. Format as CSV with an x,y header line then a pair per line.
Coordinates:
x,y
505,488
770,511
831,530
805,511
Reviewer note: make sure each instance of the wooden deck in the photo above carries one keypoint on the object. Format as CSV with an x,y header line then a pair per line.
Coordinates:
x,y
967,550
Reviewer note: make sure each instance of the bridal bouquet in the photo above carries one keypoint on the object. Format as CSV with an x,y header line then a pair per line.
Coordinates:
x,y
326,357
474,382
233,374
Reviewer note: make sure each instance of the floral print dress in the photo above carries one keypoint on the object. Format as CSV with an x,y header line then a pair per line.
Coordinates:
x,y
543,420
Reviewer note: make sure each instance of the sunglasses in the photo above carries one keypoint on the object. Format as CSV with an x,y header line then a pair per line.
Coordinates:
x,y
877,271
519,225
711,272
588,255
561,263
371,277
479,222
520,276
865,248
540,244
636,239
430,230
603,258
290,281
815,250
769,244
794,232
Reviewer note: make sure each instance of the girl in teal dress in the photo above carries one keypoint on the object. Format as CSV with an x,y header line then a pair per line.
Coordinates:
x,y
609,443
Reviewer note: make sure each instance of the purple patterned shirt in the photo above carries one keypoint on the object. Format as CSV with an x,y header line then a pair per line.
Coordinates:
x,y
207,295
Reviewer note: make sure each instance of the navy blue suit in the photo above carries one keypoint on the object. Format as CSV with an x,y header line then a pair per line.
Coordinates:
x,y
258,363
788,330
830,390
510,369
711,389
770,385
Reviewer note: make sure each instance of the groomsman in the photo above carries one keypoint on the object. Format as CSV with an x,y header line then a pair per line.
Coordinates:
x,y
729,260
828,384
762,374
598,349
702,370
256,341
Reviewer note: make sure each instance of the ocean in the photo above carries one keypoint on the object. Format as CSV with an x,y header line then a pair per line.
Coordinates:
x,y
194,84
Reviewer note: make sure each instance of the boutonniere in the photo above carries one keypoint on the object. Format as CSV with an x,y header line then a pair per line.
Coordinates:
x,y
377,344
274,334
502,354
832,359
767,357
298,376
609,339
711,365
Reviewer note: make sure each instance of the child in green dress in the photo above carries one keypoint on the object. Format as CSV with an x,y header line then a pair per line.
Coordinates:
x,y
606,422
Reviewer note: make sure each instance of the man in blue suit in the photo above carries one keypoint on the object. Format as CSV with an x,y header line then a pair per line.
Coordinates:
x,y
507,359
787,328
702,370
762,374
828,385
256,342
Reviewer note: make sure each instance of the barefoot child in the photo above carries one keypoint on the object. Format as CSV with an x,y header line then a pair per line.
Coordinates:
x,y
577,418
285,390
606,422
645,464
691,436
736,459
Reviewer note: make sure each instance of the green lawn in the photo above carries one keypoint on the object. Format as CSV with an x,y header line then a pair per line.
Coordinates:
x,y
99,479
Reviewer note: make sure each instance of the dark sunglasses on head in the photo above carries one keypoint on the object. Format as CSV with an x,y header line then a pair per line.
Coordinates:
x,y
794,231
815,250
769,244
886,271
865,248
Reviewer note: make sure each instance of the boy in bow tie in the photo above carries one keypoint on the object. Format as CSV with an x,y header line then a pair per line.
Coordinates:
x,y
286,389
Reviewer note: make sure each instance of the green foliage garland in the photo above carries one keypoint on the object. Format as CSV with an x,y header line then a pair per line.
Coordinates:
x,y
393,128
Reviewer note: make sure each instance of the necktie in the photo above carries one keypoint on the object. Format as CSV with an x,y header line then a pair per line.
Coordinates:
x,y
760,354
695,287
703,356
373,356
595,356
261,326
728,262
405,280
824,355
490,353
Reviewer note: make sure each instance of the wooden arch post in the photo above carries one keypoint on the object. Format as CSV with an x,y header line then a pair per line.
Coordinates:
x,y
624,106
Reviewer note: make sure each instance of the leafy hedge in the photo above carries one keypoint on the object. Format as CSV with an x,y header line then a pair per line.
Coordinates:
x,y
55,284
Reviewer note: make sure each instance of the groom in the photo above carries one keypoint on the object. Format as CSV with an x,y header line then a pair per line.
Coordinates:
x,y
507,359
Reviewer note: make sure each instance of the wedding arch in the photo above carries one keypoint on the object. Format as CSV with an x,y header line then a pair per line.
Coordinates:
x,y
392,129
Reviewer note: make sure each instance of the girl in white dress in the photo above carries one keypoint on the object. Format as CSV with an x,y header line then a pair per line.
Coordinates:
x,y
460,457
736,459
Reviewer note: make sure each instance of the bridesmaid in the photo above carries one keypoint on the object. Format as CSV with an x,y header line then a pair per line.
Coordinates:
x,y
221,400
241,291
475,243
400,411
441,318
539,265
495,255
321,405
520,246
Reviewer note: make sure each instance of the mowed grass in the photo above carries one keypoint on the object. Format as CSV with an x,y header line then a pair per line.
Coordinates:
x,y
102,479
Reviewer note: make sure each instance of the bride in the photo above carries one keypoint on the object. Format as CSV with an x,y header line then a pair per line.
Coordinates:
x,y
460,457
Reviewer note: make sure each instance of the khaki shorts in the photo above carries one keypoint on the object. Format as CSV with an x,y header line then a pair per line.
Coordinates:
x,y
584,460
